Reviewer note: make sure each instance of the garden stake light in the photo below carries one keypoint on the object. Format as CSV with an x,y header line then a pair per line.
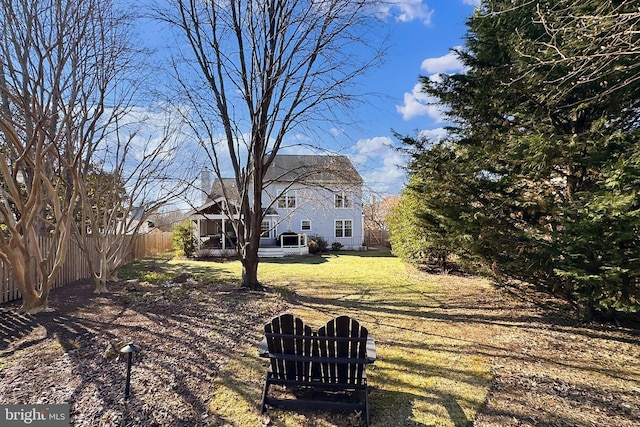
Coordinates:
x,y
129,349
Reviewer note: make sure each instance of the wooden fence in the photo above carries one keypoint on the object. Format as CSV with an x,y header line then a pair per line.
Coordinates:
x,y
75,265
377,238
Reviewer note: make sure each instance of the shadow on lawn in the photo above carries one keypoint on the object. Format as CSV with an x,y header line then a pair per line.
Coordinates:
x,y
183,343
238,394
158,269
13,326
481,312
398,408
312,259
560,379
419,406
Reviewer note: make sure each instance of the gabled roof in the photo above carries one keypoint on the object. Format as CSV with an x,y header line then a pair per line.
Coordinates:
x,y
313,169
306,169
229,186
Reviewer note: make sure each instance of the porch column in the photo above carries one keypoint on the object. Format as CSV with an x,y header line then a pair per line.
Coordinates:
x,y
198,237
223,234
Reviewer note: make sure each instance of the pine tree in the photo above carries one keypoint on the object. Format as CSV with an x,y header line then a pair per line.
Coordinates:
x,y
543,163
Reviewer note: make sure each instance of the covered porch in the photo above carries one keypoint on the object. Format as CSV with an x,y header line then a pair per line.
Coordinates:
x,y
213,230
215,236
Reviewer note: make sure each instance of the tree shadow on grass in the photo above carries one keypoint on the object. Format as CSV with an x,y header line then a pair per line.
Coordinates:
x,y
185,335
161,270
401,409
438,326
13,326
311,259
238,395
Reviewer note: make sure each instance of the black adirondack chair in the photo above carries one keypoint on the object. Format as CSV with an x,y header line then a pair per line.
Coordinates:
x,y
334,358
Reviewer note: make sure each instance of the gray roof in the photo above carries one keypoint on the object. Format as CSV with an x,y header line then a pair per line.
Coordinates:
x,y
229,186
306,169
313,169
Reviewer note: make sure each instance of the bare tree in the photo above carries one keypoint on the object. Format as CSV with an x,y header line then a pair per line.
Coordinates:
x,y
130,178
593,43
59,63
259,70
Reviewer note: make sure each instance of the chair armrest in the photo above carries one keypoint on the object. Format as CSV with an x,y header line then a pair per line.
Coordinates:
x,y
371,349
263,349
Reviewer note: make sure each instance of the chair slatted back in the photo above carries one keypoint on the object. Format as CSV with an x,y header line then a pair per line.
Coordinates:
x,y
285,335
346,339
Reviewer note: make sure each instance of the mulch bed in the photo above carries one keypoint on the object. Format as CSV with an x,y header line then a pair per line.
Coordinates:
x,y
186,332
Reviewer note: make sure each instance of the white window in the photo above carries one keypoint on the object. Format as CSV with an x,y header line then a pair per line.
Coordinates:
x,y
287,199
305,225
344,228
342,200
265,229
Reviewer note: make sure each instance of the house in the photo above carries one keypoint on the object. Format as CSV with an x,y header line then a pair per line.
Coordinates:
x,y
304,195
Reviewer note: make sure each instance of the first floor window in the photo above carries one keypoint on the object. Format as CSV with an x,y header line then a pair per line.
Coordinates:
x,y
344,228
265,229
305,225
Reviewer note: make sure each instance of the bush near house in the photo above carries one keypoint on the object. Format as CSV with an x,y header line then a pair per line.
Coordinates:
x,y
183,240
317,244
336,246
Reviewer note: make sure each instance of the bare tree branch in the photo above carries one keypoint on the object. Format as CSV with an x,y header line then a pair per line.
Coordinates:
x,y
256,71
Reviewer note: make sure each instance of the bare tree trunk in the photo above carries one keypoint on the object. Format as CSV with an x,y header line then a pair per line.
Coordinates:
x,y
267,67
23,270
250,271
250,259
58,62
121,200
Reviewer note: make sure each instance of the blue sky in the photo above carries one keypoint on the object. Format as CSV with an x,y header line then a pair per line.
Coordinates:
x,y
423,32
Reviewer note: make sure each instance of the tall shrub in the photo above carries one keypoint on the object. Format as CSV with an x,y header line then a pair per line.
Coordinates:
x,y
183,238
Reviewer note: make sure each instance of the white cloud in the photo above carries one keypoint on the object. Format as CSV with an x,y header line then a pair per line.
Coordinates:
x,y
417,103
373,146
336,131
472,2
434,135
443,64
380,164
407,10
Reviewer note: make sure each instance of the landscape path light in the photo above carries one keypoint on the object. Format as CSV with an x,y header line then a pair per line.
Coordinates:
x,y
129,349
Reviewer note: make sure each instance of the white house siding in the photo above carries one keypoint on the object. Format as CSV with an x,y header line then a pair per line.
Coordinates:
x,y
317,205
315,179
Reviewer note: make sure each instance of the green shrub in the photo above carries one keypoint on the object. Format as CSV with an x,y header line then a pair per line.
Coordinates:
x,y
183,239
336,246
317,244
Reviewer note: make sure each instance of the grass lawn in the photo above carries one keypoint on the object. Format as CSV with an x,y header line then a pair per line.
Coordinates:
x,y
452,351
428,371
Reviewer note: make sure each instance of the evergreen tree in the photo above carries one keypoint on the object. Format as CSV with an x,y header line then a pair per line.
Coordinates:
x,y
183,238
542,171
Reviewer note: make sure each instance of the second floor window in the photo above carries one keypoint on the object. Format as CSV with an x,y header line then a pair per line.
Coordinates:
x,y
342,200
305,225
287,199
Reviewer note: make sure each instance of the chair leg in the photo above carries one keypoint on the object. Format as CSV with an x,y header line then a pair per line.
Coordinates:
x,y
264,395
366,406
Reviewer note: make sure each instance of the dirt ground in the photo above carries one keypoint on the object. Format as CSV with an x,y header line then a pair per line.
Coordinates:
x,y
547,370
